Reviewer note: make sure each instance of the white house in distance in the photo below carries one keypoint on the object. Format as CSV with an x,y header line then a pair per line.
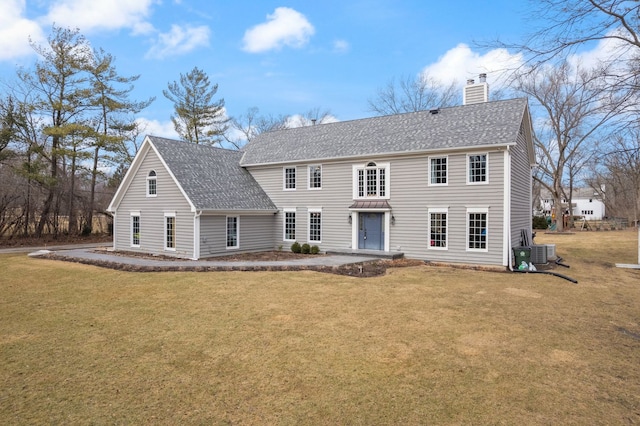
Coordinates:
x,y
585,202
448,185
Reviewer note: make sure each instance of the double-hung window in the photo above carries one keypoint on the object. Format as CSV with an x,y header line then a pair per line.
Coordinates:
x,y
289,174
437,171
232,231
315,225
438,228
289,224
135,229
152,184
477,168
315,176
371,180
170,231
477,220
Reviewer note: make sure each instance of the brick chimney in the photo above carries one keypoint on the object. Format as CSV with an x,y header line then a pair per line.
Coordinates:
x,y
475,93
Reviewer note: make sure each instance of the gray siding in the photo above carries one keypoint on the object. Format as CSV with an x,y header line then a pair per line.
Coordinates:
x,y
152,210
521,181
256,234
410,198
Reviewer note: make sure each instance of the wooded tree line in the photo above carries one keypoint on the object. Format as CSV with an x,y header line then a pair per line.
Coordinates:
x,y
70,117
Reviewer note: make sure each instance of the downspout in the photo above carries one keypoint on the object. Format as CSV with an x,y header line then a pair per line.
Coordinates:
x,y
507,209
196,235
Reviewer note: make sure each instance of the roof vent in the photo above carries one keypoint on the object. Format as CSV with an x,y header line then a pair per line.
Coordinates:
x,y
474,93
434,111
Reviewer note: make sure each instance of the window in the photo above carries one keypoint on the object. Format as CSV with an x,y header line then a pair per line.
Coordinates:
x,y
289,178
438,171
232,231
289,225
135,229
152,184
477,229
371,180
438,228
315,225
170,231
477,168
315,177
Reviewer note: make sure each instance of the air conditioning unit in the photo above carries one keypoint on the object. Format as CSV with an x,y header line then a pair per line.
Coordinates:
x,y
551,251
539,254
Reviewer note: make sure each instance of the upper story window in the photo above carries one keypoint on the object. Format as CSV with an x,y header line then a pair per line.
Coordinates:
x,y
152,184
289,174
315,177
371,180
438,170
477,166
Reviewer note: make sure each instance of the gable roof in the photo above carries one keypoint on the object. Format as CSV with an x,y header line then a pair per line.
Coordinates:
x,y
210,178
477,125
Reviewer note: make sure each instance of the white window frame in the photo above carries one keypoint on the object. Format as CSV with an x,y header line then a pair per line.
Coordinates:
x,y
438,210
486,168
284,178
284,223
153,178
237,222
131,228
309,213
168,215
310,169
446,173
476,210
387,180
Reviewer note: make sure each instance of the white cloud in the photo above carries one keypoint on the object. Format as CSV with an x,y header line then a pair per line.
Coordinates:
x,y
157,128
178,41
461,63
341,46
89,15
297,120
285,27
15,31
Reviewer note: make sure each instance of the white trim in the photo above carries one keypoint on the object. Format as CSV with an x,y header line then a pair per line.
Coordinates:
x,y
284,223
309,211
506,245
196,235
175,233
444,210
431,157
131,216
484,210
226,232
284,178
486,180
309,177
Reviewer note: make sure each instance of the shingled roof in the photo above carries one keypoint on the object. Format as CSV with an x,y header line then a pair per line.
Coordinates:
x,y
212,177
476,125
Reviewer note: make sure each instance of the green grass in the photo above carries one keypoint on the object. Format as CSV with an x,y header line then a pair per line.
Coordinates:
x,y
421,345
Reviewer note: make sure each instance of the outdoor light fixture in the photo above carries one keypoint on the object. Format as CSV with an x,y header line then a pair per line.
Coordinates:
x,y
393,220
350,218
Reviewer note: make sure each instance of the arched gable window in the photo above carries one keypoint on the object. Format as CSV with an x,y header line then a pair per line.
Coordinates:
x,y
152,184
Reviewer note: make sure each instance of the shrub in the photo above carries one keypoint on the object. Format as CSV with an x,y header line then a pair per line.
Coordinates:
x,y
306,248
315,249
540,222
295,247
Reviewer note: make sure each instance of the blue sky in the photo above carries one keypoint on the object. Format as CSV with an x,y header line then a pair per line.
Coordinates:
x,y
284,57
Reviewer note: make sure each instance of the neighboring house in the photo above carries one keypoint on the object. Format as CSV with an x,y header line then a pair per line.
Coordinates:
x,y
585,202
447,185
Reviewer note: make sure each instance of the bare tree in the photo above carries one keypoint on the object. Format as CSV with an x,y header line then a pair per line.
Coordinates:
x,y
576,104
411,94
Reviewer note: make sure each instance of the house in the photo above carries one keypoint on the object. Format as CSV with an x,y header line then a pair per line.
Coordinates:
x,y
585,202
447,185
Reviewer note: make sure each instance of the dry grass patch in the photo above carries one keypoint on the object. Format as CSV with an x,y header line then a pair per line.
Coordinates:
x,y
420,345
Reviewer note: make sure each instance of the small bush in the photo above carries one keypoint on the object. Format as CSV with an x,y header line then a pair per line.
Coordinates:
x,y
306,248
540,222
295,247
315,249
